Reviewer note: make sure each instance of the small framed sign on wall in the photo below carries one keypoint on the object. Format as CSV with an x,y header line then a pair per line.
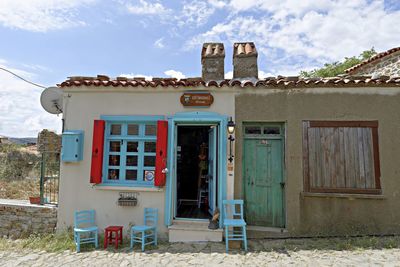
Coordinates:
x,y
197,99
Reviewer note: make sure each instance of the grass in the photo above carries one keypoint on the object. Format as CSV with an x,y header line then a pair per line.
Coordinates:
x,y
47,242
19,189
64,241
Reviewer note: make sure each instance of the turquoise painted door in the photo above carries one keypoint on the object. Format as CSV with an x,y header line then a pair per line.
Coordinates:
x,y
212,168
263,181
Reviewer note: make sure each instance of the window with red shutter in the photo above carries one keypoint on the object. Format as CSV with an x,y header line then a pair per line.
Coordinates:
x,y
97,152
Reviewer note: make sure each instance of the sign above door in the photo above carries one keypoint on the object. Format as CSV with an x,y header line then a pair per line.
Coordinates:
x,y
197,99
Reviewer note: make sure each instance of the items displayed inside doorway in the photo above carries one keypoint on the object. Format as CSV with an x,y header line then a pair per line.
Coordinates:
x,y
193,176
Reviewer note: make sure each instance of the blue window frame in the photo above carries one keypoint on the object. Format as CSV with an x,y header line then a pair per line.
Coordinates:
x,y
130,150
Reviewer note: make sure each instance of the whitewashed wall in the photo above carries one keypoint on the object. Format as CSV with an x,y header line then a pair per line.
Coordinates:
x,y
82,105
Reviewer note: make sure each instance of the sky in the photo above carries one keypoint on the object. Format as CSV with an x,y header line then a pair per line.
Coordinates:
x,y
47,41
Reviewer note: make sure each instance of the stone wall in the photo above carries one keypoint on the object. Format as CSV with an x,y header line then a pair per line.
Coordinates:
x,y
388,66
19,218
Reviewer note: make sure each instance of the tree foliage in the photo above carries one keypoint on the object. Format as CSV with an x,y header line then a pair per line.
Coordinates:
x,y
335,68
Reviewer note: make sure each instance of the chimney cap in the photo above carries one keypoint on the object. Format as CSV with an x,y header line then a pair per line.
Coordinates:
x,y
213,50
244,49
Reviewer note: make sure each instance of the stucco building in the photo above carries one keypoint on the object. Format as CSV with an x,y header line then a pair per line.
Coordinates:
x,y
308,156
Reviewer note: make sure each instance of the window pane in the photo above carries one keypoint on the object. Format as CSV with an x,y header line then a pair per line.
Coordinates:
x,y
113,174
115,129
272,130
133,129
131,160
115,146
253,130
132,147
149,161
131,175
150,147
151,130
113,160
148,176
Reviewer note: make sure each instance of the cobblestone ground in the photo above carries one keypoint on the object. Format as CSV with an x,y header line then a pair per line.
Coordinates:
x,y
202,254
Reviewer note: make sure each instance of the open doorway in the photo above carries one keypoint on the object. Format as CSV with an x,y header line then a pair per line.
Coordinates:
x,y
196,171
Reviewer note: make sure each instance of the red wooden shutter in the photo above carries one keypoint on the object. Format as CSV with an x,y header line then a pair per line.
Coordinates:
x,y
161,150
97,152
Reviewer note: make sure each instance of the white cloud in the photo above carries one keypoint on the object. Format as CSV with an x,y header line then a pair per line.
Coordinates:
x,y
21,114
132,75
159,43
41,15
194,14
174,74
306,32
147,8
229,75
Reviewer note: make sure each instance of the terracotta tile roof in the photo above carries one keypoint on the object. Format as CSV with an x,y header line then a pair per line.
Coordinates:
x,y
213,50
371,59
244,49
270,82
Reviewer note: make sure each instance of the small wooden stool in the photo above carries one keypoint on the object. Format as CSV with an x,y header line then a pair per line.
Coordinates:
x,y
109,238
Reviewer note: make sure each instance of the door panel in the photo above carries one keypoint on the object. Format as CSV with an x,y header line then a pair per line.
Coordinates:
x,y
212,168
263,177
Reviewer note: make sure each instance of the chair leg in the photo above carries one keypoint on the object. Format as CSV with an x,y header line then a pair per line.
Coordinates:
x,y
155,237
105,239
143,240
244,237
132,236
96,239
226,239
78,242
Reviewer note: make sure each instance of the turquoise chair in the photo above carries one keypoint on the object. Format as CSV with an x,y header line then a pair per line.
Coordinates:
x,y
234,218
146,234
85,230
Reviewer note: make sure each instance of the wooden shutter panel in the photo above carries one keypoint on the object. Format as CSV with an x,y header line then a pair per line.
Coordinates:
x,y
97,152
161,150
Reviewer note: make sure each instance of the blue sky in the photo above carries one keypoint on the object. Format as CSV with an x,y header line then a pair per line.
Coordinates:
x,y
48,40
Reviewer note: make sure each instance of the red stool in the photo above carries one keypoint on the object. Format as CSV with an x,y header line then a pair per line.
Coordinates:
x,y
109,237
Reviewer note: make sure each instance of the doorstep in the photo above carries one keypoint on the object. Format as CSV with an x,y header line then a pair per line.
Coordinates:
x,y
193,231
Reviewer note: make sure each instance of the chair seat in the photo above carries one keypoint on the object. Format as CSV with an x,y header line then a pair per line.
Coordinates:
x,y
142,228
234,222
87,229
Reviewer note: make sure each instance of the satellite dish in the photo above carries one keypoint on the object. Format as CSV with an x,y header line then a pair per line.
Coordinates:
x,y
51,100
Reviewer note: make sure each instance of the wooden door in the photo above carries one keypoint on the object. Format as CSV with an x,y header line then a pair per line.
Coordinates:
x,y
263,181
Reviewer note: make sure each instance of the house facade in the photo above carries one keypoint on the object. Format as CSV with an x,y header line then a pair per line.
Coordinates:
x,y
310,157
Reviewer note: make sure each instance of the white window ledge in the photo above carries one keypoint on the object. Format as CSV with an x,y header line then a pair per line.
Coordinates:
x,y
342,195
128,188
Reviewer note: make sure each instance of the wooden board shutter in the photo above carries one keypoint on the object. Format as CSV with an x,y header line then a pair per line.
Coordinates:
x,y
161,152
97,152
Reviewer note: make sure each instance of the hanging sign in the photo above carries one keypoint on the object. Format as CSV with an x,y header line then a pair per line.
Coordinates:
x,y
197,99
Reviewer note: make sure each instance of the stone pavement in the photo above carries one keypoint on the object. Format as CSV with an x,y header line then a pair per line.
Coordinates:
x,y
202,254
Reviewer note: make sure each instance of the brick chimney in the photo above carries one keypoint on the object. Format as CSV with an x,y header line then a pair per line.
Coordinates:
x,y
212,61
245,60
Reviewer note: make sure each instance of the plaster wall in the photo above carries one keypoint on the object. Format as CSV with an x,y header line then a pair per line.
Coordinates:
x,y
82,105
329,214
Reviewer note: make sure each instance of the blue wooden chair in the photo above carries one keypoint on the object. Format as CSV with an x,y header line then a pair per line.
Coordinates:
x,y
146,234
234,218
85,230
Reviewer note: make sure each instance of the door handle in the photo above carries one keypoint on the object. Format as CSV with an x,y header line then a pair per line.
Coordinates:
x,y
282,184
165,170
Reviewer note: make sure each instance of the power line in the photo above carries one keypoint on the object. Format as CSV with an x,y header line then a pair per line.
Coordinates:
x,y
25,80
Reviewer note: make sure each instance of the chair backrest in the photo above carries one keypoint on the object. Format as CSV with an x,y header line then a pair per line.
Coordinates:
x,y
150,216
84,218
233,209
